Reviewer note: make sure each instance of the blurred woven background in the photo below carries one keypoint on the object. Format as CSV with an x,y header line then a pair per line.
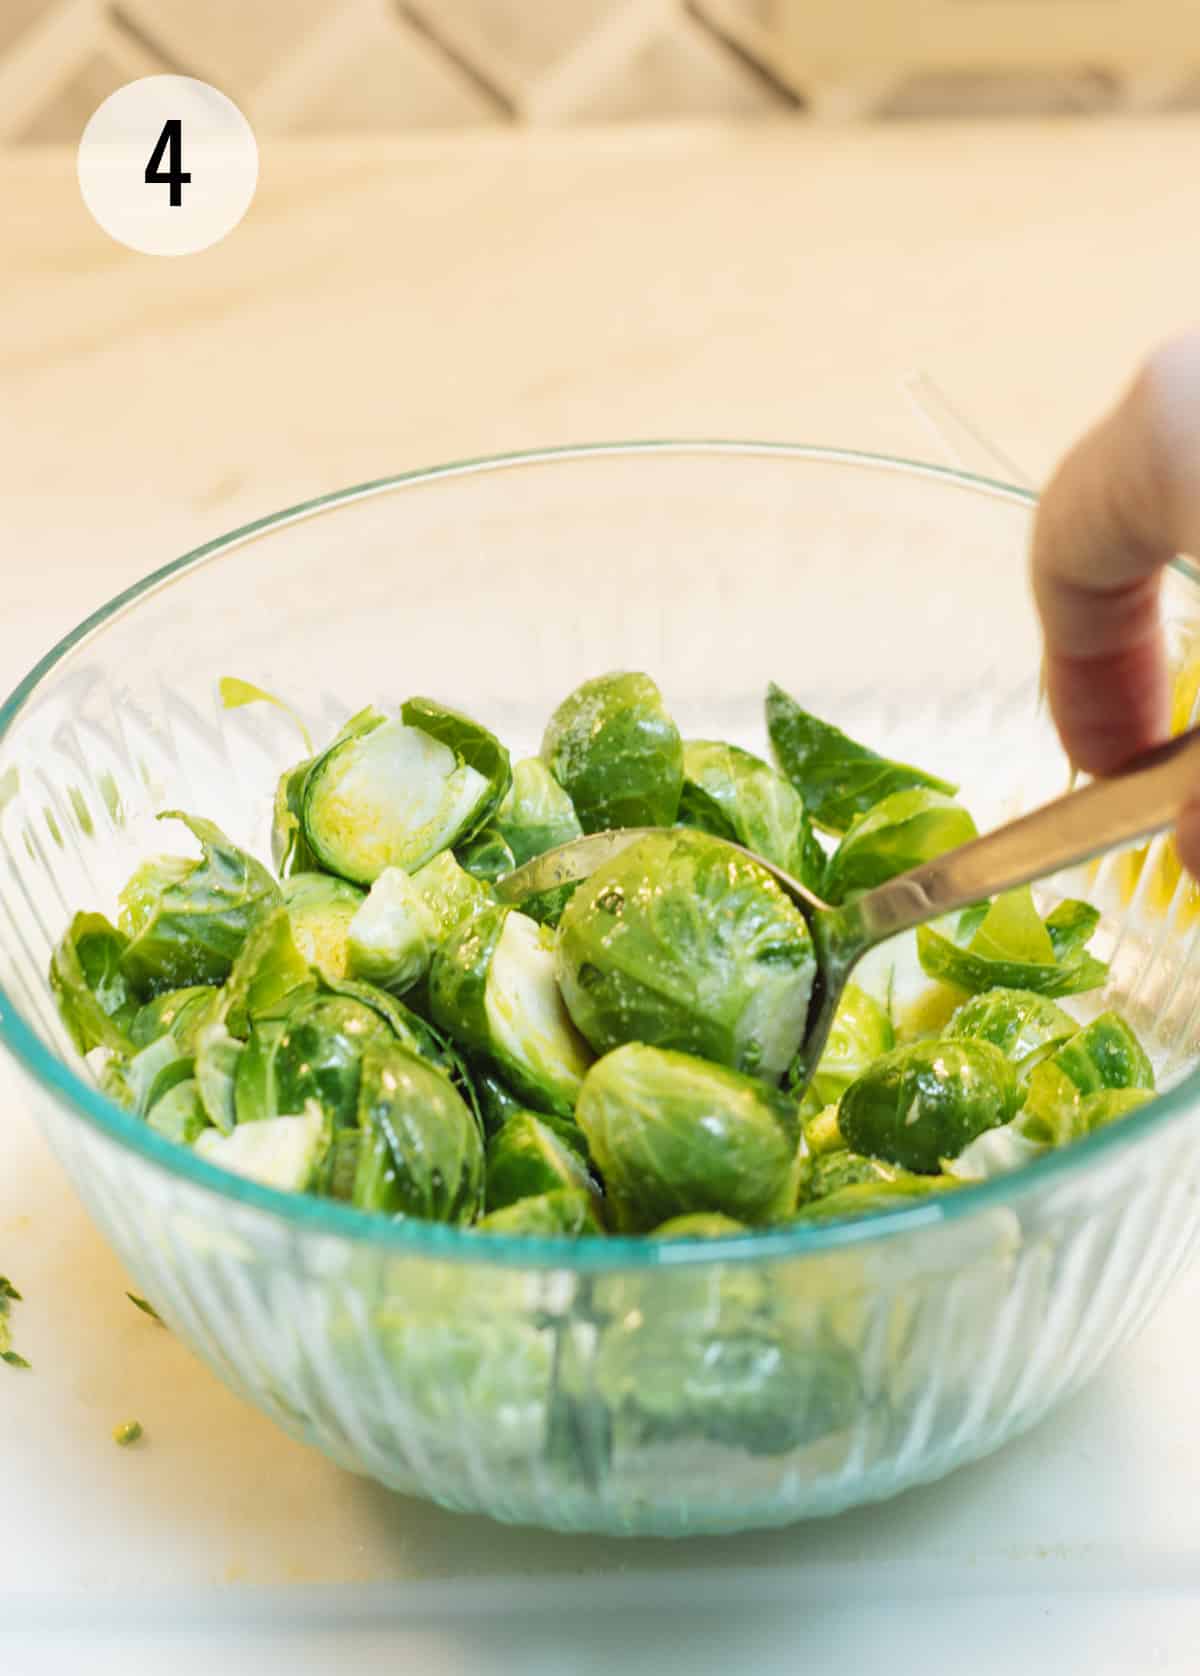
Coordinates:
x,y
354,66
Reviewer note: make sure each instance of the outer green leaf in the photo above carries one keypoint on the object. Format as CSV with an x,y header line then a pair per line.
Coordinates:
x,y
1103,1056
486,856
471,743
837,778
527,1158
536,814
186,920
95,996
902,831
616,753
735,795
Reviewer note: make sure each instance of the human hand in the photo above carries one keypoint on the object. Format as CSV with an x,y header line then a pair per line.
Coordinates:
x,y
1121,505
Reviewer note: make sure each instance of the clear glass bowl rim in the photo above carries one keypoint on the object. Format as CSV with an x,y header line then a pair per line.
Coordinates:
x,y
443,1242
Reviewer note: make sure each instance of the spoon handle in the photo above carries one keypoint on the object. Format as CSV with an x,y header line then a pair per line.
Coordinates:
x,y
1104,815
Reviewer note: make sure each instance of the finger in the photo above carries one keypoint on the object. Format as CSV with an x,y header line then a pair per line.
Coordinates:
x,y
1119,508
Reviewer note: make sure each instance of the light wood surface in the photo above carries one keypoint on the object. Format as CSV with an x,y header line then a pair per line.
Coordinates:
x,y
392,305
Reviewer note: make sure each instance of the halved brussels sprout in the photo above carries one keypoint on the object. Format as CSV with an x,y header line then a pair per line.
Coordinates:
x,y
1013,948
901,831
94,993
736,795
284,1152
186,920
321,910
1103,1056
391,937
682,942
1109,1105
672,1134
395,793
996,1152
832,1171
314,1054
837,778
821,1131
861,1032
568,1210
421,1154
698,1225
527,1158
616,753
536,814
1026,1027
180,1113
862,1198
492,989
922,1103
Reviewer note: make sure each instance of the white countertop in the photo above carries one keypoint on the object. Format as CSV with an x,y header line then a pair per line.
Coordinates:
x,y
386,306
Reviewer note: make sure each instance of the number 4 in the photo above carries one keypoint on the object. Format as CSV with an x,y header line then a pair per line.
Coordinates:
x,y
170,145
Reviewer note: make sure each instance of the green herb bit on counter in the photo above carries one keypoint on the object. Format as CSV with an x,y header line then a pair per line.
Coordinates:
x,y
129,1431
8,1295
146,1308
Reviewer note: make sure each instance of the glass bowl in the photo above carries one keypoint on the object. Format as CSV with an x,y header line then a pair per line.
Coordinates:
x,y
610,1385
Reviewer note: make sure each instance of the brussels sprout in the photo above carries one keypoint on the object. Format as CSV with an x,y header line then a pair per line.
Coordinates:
x,y
394,793
903,830
486,856
682,942
672,1134
1104,1055
837,778
922,1103
314,1055
527,1158
616,753
727,1375
497,1102
698,1225
186,920
285,1152
861,1032
1025,1027
1012,948
834,1170
421,1154
391,937
321,910
1108,1105
865,1197
536,814
449,894
821,1131
735,795
179,1114
179,1012
492,989
568,1210
95,996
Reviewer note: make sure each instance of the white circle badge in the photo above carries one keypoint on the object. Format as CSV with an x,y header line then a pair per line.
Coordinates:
x,y
168,165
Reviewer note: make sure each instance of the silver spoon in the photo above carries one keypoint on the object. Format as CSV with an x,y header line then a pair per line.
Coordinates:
x,y
1104,815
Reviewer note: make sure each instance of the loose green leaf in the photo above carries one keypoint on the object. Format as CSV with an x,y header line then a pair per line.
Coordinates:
x,y
235,693
901,831
735,795
535,814
95,996
487,855
186,920
1012,948
837,778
